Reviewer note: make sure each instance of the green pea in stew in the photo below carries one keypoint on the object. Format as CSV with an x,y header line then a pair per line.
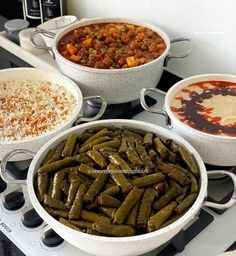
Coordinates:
x,y
111,45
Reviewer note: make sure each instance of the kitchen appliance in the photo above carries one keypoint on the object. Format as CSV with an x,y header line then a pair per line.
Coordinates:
x,y
50,9
31,12
217,230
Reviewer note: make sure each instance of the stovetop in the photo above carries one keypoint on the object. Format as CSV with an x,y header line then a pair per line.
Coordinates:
x,y
218,232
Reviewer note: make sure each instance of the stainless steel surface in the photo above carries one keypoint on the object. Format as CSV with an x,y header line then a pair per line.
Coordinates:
x,y
43,47
103,105
233,197
172,55
143,92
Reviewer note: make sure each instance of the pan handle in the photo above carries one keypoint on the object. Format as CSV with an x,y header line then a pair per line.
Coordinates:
x,y
103,103
179,56
5,160
40,31
46,33
143,92
233,197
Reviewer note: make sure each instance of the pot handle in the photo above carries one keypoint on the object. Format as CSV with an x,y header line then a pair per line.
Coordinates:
x,y
143,92
233,197
5,160
171,55
46,33
98,115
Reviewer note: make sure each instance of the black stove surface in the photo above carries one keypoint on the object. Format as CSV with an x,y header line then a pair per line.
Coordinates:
x,y
232,247
119,111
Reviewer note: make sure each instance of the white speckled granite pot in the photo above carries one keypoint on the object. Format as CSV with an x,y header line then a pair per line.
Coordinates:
x,y
34,143
119,246
214,149
117,85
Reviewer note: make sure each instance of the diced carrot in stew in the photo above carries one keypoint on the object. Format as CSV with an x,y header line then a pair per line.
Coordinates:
x,y
88,42
111,45
71,49
140,36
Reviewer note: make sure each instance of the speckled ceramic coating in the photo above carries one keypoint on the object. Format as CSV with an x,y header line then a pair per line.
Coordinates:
x,y
214,149
55,25
124,246
117,85
35,143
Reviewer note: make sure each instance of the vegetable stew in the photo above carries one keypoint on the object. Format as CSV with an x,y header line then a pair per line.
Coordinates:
x,y
111,45
117,182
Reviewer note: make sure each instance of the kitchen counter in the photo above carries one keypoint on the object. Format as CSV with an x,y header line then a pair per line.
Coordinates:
x,y
216,238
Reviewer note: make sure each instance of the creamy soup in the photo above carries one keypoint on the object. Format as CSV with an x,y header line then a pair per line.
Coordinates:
x,y
208,106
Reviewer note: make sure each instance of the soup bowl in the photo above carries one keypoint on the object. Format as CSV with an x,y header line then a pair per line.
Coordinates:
x,y
214,146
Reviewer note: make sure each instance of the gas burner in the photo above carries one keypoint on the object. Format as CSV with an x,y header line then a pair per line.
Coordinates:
x,y
125,110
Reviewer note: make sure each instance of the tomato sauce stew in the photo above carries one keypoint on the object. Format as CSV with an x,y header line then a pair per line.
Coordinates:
x,y
111,45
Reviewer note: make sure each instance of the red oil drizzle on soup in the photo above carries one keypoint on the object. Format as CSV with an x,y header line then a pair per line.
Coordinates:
x,y
208,106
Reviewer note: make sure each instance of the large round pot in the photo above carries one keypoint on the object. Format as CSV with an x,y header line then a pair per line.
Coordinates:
x,y
117,85
214,149
134,245
34,143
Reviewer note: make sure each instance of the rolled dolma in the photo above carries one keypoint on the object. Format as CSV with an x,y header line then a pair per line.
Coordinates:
x,y
77,205
119,178
70,145
189,161
95,188
148,180
126,206
113,230
186,203
161,216
145,207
